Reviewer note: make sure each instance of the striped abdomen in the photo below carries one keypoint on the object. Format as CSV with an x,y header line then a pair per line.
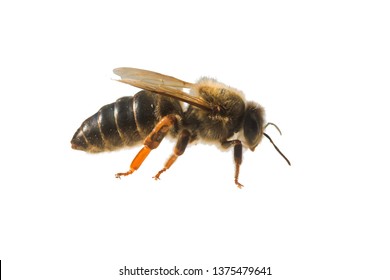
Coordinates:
x,y
126,122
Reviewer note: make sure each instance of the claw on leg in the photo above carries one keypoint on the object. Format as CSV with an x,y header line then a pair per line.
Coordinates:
x,y
239,185
157,176
118,175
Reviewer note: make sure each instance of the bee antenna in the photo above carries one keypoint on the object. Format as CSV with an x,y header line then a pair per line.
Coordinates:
x,y
276,147
270,123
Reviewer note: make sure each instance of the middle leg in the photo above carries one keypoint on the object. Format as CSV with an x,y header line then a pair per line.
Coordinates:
x,y
181,144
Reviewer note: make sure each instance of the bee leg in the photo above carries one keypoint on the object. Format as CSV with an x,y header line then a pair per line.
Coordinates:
x,y
152,141
179,149
237,157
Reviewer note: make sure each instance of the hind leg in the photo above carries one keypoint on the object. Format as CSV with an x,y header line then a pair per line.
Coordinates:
x,y
152,141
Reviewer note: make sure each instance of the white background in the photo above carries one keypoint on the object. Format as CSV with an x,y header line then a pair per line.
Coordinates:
x,y
321,70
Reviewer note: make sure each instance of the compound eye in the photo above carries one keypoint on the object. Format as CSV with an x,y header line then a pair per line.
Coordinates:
x,y
253,125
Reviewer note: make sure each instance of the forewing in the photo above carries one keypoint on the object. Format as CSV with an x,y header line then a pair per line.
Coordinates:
x,y
161,84
153,78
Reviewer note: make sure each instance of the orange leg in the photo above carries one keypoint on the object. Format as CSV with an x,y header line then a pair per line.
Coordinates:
x,y
237,157
179,149
151,142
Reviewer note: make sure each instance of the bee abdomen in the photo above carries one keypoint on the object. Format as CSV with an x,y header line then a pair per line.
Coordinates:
x,y
112,127
126,122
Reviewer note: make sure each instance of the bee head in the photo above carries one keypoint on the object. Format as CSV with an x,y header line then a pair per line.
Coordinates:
x,y
253,124
254,128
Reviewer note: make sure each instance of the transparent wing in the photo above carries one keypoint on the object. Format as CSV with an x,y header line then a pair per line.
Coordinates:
x,y
161,84
150,77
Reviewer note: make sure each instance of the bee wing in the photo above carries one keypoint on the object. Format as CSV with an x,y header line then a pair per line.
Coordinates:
x,y
150,77
161,84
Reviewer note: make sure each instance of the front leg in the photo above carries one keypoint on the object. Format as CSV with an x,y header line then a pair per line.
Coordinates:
x,y
237,157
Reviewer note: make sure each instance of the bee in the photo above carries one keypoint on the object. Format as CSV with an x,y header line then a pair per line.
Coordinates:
x,y
215,113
